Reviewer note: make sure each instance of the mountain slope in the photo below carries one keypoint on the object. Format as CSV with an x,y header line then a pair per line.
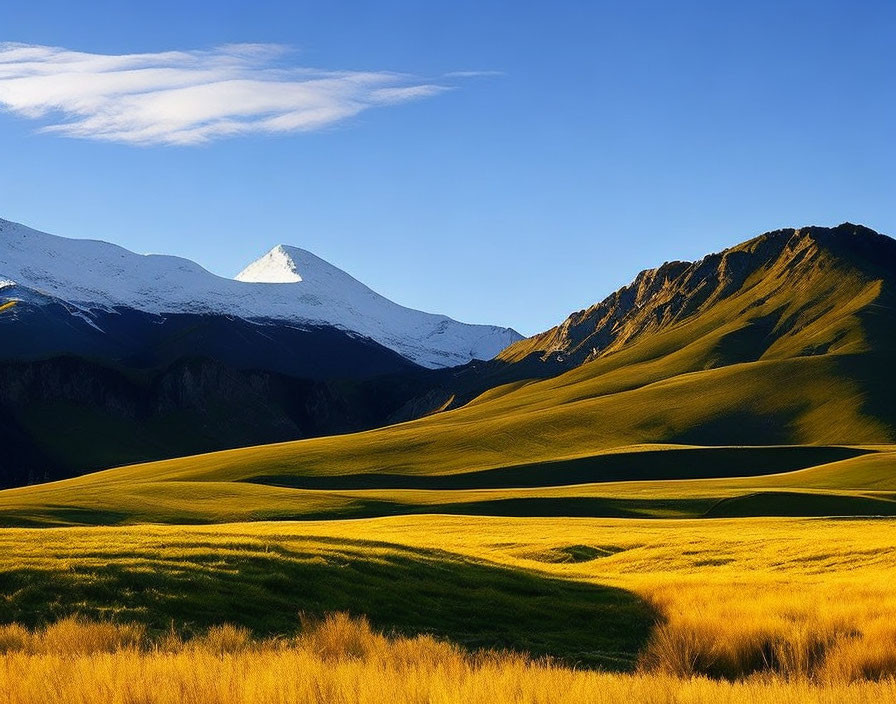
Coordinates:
x,y
85,276
787,293
65,416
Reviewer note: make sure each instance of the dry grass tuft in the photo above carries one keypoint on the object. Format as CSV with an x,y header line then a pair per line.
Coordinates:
x,y
224,640
72,636
338,637
77,636
13,637
838,637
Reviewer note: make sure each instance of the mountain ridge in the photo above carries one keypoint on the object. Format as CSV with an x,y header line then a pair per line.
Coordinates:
x,y
669,294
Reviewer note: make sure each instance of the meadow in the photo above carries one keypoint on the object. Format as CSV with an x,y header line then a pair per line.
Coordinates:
x,y
754,602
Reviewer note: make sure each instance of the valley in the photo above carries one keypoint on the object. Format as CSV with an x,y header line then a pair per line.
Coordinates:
x,y
690,486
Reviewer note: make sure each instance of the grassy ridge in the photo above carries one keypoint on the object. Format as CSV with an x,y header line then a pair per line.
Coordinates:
x,y
555,426
569,417
633,464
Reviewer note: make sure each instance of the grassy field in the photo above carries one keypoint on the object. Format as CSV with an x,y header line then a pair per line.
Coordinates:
x,y
674,605
677,605
802,598
263,578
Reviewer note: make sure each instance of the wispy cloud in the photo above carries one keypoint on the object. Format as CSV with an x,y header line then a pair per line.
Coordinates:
x,y
188,97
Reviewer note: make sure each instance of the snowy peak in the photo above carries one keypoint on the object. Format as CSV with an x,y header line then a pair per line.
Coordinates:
x,y
286,264
279,266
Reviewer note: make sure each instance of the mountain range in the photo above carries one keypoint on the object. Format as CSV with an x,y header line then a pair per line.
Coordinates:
x,y
287,287
785,339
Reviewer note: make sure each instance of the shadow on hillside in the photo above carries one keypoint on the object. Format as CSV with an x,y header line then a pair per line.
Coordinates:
x,y
800,504
264,584
672,463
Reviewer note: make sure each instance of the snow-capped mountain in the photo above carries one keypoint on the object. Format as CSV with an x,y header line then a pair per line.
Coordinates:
x,y
287,285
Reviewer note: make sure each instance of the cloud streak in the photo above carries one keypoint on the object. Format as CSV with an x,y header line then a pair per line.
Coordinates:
x,y
188,97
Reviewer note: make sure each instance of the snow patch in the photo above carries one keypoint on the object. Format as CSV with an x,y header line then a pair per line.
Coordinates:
x,y
87,319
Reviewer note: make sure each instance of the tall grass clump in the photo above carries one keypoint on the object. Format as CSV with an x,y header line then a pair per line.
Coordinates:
x,y
225,639
829,638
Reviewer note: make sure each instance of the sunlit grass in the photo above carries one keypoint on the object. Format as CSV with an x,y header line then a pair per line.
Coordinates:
x,y
797,598
340,659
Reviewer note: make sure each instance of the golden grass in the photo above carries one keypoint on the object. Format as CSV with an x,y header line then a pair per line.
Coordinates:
x,y
790,598
341,660
815,636
801,598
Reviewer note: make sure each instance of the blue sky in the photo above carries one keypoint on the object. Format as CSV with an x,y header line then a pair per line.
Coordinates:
x,y
614,136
